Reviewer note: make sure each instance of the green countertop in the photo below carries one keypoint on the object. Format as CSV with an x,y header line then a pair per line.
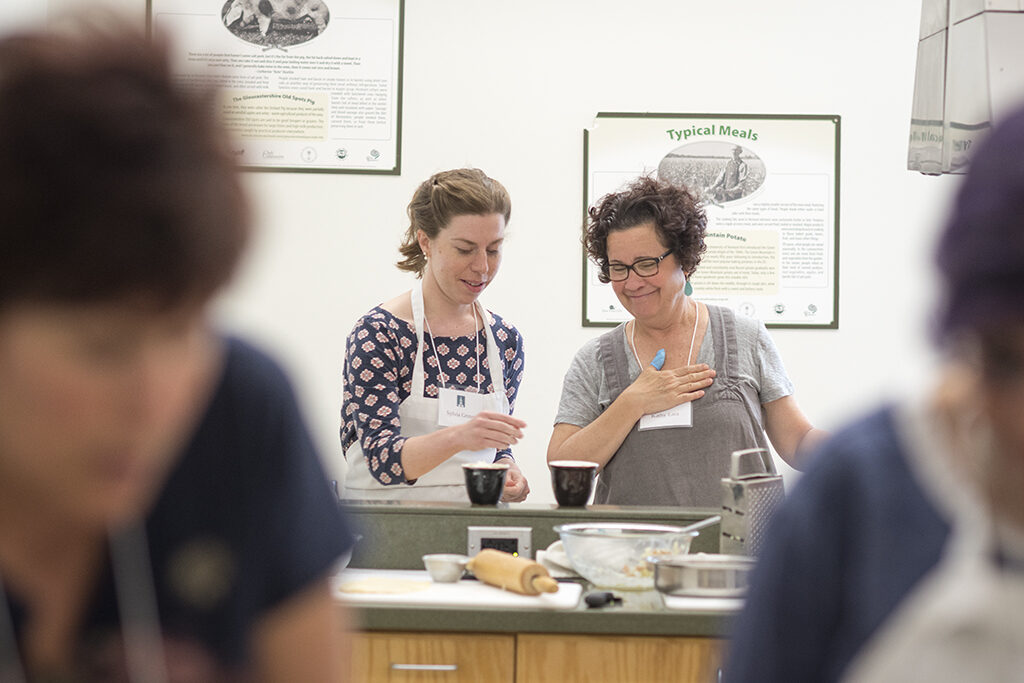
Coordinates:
x,y
396,535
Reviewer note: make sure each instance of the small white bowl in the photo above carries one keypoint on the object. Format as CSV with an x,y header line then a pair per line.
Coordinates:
x,y
445,567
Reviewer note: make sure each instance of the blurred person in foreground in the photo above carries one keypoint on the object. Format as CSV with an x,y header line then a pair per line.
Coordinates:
x,y
900,554
163,513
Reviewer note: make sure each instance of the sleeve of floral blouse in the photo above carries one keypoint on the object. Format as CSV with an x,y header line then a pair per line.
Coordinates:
x,y
515,361
511,344
372,376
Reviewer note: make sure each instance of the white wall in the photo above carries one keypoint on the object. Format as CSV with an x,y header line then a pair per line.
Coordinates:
x,y
509,87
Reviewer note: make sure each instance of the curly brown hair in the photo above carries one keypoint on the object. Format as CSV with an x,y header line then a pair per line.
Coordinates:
x,y
677,216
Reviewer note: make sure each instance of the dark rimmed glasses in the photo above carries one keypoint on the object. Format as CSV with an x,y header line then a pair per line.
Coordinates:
x,y
644,267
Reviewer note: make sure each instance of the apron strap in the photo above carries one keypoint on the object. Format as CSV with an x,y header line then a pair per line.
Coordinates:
x,y
494,359
612,356
417,322
722,325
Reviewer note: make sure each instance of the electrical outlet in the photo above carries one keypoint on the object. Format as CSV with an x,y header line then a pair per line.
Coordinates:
x,y
511,539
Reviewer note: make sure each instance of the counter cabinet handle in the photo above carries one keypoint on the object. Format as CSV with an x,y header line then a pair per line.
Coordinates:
x,y
425,667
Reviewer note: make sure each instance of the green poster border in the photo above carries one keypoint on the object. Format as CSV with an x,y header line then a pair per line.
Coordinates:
x,y
834,118
396,170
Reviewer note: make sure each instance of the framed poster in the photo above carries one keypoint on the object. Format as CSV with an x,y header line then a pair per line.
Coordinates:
x,y
769,185
304,85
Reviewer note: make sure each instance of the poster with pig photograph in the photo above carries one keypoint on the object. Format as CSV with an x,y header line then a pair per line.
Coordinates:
x,y
304,85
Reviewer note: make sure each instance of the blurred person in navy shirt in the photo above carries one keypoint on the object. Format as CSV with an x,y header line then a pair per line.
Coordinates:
x,y
163,513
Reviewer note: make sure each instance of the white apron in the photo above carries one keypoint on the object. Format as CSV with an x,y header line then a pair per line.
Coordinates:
x,y
419,416
964,621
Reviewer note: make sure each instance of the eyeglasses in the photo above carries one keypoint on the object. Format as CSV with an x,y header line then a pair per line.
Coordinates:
x,y
644,267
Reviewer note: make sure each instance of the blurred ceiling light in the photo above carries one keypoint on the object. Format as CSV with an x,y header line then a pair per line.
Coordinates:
x,y
970,71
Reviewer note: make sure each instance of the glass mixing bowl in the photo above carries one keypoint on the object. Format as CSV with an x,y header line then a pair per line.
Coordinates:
x,y
613,555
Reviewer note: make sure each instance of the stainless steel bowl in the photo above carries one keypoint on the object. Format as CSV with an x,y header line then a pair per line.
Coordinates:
x,y
701,574
612,555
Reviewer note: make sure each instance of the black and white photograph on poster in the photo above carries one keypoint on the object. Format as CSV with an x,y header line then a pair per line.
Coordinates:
x,y
304,85
769,185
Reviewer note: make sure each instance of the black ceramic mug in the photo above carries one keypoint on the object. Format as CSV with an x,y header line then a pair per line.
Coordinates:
x,y
572,481
485,482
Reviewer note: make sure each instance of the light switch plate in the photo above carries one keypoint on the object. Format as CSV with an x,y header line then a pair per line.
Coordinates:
x,y
512,539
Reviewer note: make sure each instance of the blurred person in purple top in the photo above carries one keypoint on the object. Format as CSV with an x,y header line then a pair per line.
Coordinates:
x,y
900,554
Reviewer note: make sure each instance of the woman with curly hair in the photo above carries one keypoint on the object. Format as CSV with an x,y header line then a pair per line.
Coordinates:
x,y
661,401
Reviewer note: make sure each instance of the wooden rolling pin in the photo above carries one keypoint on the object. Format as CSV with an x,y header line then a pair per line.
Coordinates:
x,y
511,573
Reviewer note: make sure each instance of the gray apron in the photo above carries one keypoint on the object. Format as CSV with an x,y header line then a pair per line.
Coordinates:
x,y
683,465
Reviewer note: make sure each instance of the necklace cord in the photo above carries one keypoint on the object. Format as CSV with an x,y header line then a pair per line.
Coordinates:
x,y
476,345
693,338
136,606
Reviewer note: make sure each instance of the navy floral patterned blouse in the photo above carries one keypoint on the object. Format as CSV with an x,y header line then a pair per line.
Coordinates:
x,y
379,359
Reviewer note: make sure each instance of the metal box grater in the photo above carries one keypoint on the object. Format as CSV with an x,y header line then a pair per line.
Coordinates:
x,y
750,495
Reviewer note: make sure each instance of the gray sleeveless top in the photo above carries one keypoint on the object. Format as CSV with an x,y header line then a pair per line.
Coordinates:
x,y
683,465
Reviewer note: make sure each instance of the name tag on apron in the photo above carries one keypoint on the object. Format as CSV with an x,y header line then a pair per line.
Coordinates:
x,y
680,416
457,406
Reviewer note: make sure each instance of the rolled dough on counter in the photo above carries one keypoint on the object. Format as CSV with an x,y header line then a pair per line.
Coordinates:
x,y
383,584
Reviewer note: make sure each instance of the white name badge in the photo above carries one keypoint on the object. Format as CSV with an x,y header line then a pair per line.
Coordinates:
x,y
456,406
680,416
